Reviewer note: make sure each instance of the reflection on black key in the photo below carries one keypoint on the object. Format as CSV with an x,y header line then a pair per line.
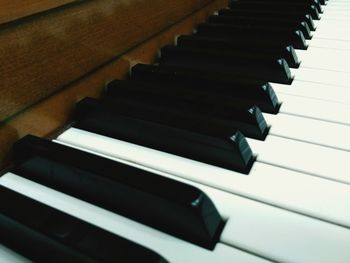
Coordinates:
x,y
168,205
258,67
269,49
251,123
240,90
44,234
269,15
280,7
255,34
233,20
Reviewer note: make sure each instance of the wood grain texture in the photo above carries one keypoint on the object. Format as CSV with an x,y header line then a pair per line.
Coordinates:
x,y
48,117
11,10
45,53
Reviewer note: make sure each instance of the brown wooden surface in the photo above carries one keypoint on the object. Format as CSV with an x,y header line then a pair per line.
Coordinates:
x,y
11,10
41,55
49,116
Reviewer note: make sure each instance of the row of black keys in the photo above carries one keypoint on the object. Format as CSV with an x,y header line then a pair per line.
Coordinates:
x,y
205,91
250,40
173,107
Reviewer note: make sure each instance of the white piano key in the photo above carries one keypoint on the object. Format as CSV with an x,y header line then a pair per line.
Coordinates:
x,y
309,130
341,12
303,157
314,91
322,58
324,199
171,248
329,43
336,8
340,16
278,234
9,256
329,24
313,108
342,9
337,3
326,77
327,32
307,240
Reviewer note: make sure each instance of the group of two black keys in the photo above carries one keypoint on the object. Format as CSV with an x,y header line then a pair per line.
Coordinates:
x,y
255,39
180,106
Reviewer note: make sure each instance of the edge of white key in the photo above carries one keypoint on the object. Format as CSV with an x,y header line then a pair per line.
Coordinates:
x,y
309,130
312,90
291,190
315,160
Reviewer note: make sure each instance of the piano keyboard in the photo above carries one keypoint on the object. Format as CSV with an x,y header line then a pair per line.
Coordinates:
x,y
167,176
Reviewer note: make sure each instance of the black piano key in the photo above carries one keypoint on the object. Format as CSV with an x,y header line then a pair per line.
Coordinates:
x,y
269,15
252,65
269,49
190,106
310,2
240,90
43,234
254,35
306,3
246,21
253,125
279,7
167,205
228,152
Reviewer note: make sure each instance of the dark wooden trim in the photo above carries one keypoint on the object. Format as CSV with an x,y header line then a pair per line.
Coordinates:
x,y
48,117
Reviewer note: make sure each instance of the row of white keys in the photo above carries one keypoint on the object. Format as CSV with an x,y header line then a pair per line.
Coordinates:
x,y
313,90
311,120
330,43
309,130
171,248
324,58
312,159
257,228
280,187
320,67
333,24
326,77
315,108
333,112
305,125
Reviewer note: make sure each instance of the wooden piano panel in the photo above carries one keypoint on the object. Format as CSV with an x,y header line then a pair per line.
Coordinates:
x,y
14,9
46,52
65,77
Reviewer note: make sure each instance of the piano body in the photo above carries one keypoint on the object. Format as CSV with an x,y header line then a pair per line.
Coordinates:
x,y
175,131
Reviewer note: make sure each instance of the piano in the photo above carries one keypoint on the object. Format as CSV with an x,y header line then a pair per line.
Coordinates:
x,y
176,131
